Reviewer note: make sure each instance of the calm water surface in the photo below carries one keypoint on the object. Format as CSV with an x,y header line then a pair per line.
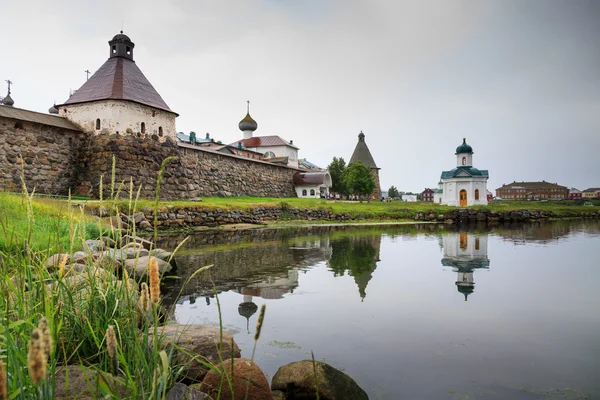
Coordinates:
x,y
415,312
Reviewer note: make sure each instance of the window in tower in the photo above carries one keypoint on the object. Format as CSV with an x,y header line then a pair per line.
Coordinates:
x,y
97,124
114,49
464,161
128,50
143,127
160,131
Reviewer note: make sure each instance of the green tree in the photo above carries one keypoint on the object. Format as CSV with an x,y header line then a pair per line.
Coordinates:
x,y
337,168
359,179
393,192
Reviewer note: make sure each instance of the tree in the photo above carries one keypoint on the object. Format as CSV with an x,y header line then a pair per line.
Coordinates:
x,y
359,179
393,192
337,168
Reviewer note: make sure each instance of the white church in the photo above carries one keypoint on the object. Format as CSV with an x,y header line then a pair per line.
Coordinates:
x,y
464,185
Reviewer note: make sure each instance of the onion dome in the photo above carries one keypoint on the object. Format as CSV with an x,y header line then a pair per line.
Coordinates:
x,y
8,101
248,124
53,109
464,148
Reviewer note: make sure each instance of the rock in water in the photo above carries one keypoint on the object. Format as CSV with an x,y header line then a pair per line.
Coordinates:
x,y
297,381
139,267
245,373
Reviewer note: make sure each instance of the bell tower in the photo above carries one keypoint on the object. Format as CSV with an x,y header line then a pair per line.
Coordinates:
x,y
121,46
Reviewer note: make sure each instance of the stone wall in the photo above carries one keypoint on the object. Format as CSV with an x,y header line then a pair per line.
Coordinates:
x,y
196,172
54,159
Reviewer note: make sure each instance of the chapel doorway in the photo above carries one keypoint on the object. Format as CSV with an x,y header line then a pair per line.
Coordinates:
x,y
463,198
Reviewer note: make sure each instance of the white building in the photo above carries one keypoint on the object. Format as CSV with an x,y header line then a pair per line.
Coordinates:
x,y
409,198
274,148
463,185
119,99
464,253
312,184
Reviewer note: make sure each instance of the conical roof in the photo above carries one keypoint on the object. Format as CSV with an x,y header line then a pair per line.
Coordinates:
x,y
362,153
119,78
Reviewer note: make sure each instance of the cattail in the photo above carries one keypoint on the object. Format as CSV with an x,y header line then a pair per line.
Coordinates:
x,y
144,302
46,337
259,322
111,347
3,382
61,265
154,280
36,361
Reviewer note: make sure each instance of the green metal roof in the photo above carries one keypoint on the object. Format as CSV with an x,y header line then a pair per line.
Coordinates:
x,y
471,171
464,148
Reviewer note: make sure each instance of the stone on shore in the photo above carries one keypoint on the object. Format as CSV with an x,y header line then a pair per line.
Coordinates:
x,y
297,381
246,376
77,382
139,266
194,343
179,391
55,260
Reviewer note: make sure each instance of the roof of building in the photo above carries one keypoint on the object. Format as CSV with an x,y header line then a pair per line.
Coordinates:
x,y
465,265
591,190
304,163
464,148
38,118
362,153
464,172
312,178
532,185
263,141
186,138
119,78
427,190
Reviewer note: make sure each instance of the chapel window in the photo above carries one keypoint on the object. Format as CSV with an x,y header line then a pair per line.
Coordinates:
x,y
97,124
143,127
304,192
312,192
476,194
464,161
476,243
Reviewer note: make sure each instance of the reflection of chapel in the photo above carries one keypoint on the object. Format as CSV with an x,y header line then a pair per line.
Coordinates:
x,y
465,252
463,185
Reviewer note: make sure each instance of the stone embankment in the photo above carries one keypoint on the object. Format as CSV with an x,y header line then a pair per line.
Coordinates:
x,y
180,218
465,216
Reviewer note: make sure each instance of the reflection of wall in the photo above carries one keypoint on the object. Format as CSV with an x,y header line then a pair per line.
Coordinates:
x,y
465,252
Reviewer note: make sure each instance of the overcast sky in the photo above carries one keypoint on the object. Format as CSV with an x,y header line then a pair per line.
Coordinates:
x,y
519,79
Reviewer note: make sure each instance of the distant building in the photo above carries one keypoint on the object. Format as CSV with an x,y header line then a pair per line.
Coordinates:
x,y
464,185
362,154
409,198
307,165
274,148
427,195
490,196
574,194
439,193
313,184
591,193
532,191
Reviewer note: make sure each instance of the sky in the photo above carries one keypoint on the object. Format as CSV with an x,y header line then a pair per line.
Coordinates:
x,y
519,79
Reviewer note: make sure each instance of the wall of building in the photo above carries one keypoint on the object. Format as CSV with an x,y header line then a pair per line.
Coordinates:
x,y
280,151
124,117
452,188
197,171
53,159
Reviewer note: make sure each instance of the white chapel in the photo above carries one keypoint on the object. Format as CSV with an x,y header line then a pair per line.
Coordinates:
x,y
463,185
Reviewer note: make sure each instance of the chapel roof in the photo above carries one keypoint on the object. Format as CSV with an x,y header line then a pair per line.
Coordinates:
x,y
464,172
263,141
362,153
464,148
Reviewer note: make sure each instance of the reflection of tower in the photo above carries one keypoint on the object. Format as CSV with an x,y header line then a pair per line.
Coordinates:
x,y
362,279
247,309
465,252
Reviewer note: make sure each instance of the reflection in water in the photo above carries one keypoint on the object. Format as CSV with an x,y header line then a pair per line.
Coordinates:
x,y
357,255
465,252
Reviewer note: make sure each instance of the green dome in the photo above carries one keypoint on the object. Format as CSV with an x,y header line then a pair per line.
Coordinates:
x,y
464,148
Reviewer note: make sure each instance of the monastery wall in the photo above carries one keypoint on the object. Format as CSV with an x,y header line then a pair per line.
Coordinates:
x,y
197,172
53,158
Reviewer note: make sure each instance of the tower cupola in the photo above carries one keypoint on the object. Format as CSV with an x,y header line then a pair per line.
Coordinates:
x,y
121,46
247,124
464,155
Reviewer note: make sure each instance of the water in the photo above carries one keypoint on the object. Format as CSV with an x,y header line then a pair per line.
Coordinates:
x,y
415,312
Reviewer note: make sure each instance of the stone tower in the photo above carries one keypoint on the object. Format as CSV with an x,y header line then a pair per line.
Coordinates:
x,y
118,98
362,154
